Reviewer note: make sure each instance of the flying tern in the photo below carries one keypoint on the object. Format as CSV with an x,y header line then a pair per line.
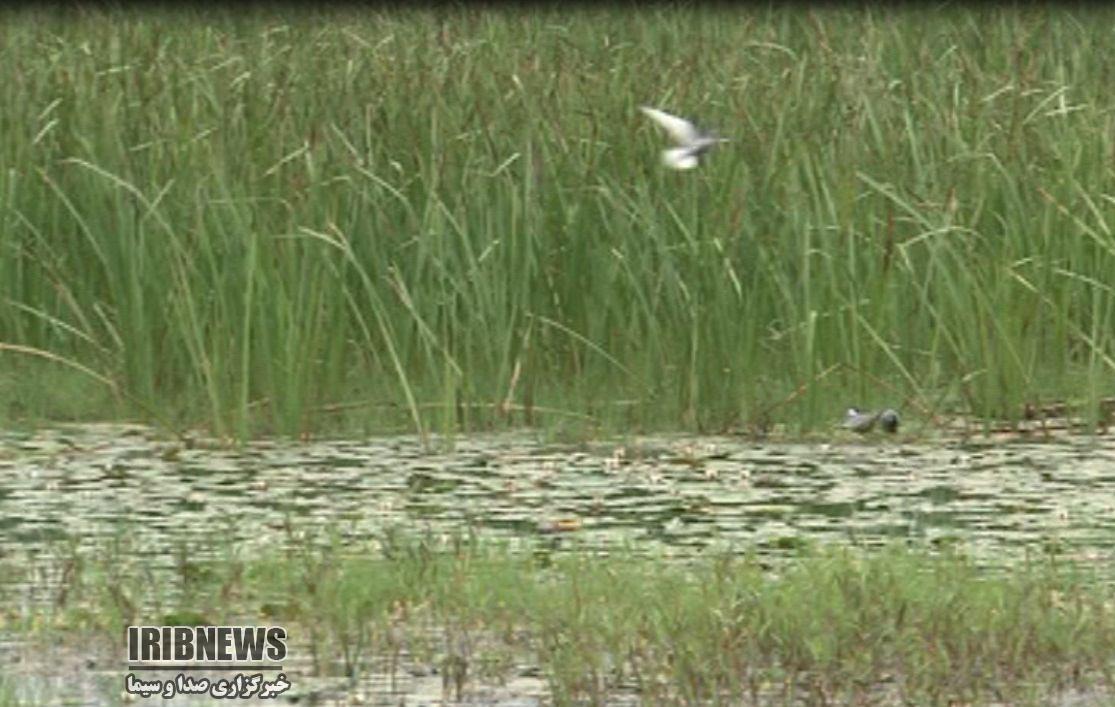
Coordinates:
x,y
692,142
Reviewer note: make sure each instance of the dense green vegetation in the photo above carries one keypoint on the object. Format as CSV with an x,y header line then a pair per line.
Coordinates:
x,y
442,218
829,627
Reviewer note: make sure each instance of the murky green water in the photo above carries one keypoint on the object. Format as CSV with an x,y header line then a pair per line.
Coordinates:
x,y
88,484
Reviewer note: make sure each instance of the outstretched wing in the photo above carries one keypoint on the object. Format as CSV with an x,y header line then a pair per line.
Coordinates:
x,y
679,158
681,130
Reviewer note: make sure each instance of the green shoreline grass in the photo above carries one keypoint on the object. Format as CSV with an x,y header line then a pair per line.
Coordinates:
x,y
289,222
832,626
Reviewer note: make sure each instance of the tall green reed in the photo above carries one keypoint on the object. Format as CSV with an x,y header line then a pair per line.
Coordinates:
x,y
436,219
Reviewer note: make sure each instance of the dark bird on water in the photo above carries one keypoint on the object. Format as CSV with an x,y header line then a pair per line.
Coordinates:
x,y
864,422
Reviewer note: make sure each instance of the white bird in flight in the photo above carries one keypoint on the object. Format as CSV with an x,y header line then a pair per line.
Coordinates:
x,y
692,141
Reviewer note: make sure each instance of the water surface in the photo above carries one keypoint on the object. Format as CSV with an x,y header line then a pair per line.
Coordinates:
x,y
86,485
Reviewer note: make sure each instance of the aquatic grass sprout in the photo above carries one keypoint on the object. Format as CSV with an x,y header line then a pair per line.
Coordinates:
x,y
293,221
832,624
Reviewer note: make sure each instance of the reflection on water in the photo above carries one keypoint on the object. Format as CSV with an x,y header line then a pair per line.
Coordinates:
x,y
86,484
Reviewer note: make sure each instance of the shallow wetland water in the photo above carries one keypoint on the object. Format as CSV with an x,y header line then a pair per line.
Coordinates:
x,y
85,485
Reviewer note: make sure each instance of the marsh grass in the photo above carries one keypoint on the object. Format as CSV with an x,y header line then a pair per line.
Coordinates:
x,y
831,626
443,219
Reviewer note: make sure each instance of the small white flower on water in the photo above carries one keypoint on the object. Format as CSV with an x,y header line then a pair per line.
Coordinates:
x,y
692,141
